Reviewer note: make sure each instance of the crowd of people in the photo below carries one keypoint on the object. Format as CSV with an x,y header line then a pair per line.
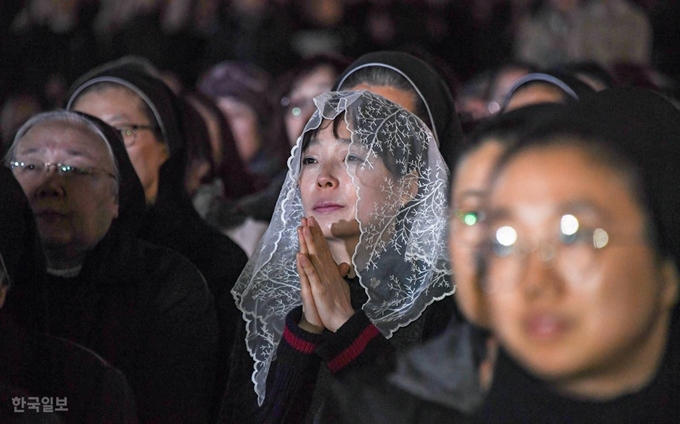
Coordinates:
x,y
327,212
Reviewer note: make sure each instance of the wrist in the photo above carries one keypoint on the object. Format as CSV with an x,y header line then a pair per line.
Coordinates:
x,y
309,327
340,320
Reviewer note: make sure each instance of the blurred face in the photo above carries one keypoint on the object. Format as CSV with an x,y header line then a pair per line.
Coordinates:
x,y
121,108
586,311
73,212
213,125
326,187
469,193
243,122
301,106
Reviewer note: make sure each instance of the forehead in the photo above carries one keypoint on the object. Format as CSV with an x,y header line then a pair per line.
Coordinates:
x,y
552,178
111,99
67,138
330,131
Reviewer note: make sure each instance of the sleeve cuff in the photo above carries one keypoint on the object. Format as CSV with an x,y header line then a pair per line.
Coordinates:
x,y
356,342
298,339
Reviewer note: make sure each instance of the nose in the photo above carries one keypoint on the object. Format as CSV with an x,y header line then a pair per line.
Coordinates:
x,y
540,276
327,177
49,184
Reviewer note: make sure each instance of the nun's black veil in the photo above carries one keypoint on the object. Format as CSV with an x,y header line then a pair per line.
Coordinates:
x,y
22,254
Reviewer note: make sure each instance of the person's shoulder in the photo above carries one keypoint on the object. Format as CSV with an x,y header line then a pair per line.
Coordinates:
x,y
368,396
169,269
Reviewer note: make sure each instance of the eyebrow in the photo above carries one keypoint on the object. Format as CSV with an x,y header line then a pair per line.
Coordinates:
x,y
474,193
315,141
583,206
120,117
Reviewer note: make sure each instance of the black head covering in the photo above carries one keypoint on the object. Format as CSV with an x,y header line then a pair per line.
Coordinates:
x,y
155,93
131,200
432,89
23,257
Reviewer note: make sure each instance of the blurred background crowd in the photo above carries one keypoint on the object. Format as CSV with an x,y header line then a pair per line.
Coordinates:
x,y
47,44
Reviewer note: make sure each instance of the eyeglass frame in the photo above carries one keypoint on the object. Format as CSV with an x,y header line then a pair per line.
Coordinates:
x,y
548,250
459,225
127,130
72,171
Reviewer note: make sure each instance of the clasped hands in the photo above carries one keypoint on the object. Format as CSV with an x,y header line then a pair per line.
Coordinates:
x,y
325,293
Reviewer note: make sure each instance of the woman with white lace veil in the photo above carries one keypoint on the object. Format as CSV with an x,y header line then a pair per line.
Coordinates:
x,y
366,189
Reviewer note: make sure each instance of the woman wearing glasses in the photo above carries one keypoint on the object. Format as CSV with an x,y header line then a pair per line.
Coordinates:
x,y
580,270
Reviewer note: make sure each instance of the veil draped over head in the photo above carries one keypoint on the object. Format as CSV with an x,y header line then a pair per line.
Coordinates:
x,y
401,260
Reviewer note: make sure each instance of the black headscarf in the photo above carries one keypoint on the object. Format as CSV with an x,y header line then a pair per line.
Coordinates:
x,y
432,89
22,253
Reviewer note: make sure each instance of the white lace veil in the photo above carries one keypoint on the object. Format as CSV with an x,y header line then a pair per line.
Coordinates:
x,y
401,260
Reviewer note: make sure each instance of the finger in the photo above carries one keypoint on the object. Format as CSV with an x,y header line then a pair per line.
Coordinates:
x,y
308,270
302,242
343,269
308,304
309,240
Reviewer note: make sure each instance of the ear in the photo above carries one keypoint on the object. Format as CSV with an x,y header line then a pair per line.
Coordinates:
x,y
671,283
410,187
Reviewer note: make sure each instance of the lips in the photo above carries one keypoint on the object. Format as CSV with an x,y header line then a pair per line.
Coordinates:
x,y
326,207
545,326
49,215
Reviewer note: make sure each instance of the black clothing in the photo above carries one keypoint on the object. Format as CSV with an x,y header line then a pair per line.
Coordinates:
x,y
44,366
147,311
23,256
518,397
34,364
437,382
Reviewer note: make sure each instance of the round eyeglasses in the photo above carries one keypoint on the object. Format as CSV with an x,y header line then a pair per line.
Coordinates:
x,y
574,253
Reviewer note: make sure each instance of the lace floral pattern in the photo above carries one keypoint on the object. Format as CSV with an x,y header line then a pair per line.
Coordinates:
x,y
401,259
